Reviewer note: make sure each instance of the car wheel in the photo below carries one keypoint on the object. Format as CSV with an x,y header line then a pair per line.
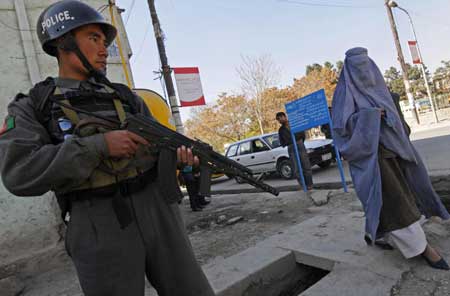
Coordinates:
x,y
324,164
285,169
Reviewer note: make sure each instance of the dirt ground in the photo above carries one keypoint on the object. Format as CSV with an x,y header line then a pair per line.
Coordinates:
x,y
260,215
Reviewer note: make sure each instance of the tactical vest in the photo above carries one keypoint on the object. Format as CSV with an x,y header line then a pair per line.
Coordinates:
x,y
115,104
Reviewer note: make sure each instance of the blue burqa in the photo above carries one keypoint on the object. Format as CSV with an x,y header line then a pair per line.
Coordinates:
x,y
359,128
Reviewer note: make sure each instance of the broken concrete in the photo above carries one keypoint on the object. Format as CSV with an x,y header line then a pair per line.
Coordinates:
x,y
333,243
320,197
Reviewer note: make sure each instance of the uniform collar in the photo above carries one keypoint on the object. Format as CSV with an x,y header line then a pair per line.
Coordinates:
x,y
75,84
67,82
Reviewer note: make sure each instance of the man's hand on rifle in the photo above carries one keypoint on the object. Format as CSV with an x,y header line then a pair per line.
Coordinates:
x,y
186,158
123,144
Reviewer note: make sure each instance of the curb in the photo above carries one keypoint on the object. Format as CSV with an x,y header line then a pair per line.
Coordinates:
x,y
285,188
320,186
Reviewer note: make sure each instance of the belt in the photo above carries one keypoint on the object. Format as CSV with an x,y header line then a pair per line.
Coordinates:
x,y
124,187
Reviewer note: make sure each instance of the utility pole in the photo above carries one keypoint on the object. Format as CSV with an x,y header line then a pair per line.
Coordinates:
x,y
166,70
401,60
394,4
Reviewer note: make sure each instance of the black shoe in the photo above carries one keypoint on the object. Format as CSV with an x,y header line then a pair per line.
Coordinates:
x,y
440,264
381,243
198,209
204,203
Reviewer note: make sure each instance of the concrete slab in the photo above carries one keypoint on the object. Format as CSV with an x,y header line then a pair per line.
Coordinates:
x,y
261,269
333,242
326,240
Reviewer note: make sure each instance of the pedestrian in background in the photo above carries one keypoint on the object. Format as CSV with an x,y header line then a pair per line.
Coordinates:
x,y
284,135
191,180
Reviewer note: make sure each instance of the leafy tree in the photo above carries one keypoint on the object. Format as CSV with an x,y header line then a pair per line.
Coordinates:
x,y
394,81
339,66
441,79
320,77
312,68
229,120
443,70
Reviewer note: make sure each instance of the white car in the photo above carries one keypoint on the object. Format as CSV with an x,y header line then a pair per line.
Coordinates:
x,y
263,154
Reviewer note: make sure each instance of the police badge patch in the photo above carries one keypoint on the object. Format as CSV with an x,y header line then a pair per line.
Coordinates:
x,y
9,124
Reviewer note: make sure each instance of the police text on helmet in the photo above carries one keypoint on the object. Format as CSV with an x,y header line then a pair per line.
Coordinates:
x,y
55,19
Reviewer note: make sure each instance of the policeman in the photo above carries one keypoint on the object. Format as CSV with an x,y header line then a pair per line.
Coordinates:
x,y
122,225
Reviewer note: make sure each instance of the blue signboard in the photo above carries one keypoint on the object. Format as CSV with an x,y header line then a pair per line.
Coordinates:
x,y
308,112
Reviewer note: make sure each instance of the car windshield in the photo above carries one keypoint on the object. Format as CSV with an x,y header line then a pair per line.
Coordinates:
x,y
232,151
272,140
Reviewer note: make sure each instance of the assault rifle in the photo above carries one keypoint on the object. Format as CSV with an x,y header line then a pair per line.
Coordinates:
x,y
168,141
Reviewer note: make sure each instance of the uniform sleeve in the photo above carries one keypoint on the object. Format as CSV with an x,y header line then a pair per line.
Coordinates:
x,y
31,165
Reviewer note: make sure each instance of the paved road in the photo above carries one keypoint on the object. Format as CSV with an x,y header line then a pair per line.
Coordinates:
x,y
433,144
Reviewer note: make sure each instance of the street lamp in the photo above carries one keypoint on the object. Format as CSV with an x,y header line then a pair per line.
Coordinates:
x,y
394,4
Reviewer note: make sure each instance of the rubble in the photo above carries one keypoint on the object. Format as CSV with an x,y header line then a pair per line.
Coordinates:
x,y
320,197
234,220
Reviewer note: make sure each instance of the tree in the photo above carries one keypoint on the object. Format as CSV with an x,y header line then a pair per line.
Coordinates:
x,y
229,120
339,66
317,78
394,81
257,75
312,68
441,79
273,101
328,65
444,70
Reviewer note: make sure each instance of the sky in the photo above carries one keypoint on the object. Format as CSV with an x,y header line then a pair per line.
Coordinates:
x,y
214,34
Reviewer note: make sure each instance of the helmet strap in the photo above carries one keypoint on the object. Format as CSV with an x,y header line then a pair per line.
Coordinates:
x,y
68,43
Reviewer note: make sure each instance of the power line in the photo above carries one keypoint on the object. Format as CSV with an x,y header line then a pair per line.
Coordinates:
x,y
143,42
323,4
130,10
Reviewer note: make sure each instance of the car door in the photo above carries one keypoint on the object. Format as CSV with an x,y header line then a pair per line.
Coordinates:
x,y
262,157
244,155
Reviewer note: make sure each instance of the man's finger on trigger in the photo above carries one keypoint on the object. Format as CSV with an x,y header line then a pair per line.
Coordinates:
x,y
133,146
138,139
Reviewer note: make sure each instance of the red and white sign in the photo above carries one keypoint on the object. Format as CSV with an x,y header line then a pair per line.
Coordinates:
x,y
189,86
414,52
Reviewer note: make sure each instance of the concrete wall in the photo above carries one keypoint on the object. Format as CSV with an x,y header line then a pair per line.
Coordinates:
x,y
30,225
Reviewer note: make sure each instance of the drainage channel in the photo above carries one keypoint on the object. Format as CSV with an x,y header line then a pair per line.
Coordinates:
x,y
294,282
310,276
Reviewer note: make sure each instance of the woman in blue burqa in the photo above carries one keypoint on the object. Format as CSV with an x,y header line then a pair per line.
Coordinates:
x,y
389,176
